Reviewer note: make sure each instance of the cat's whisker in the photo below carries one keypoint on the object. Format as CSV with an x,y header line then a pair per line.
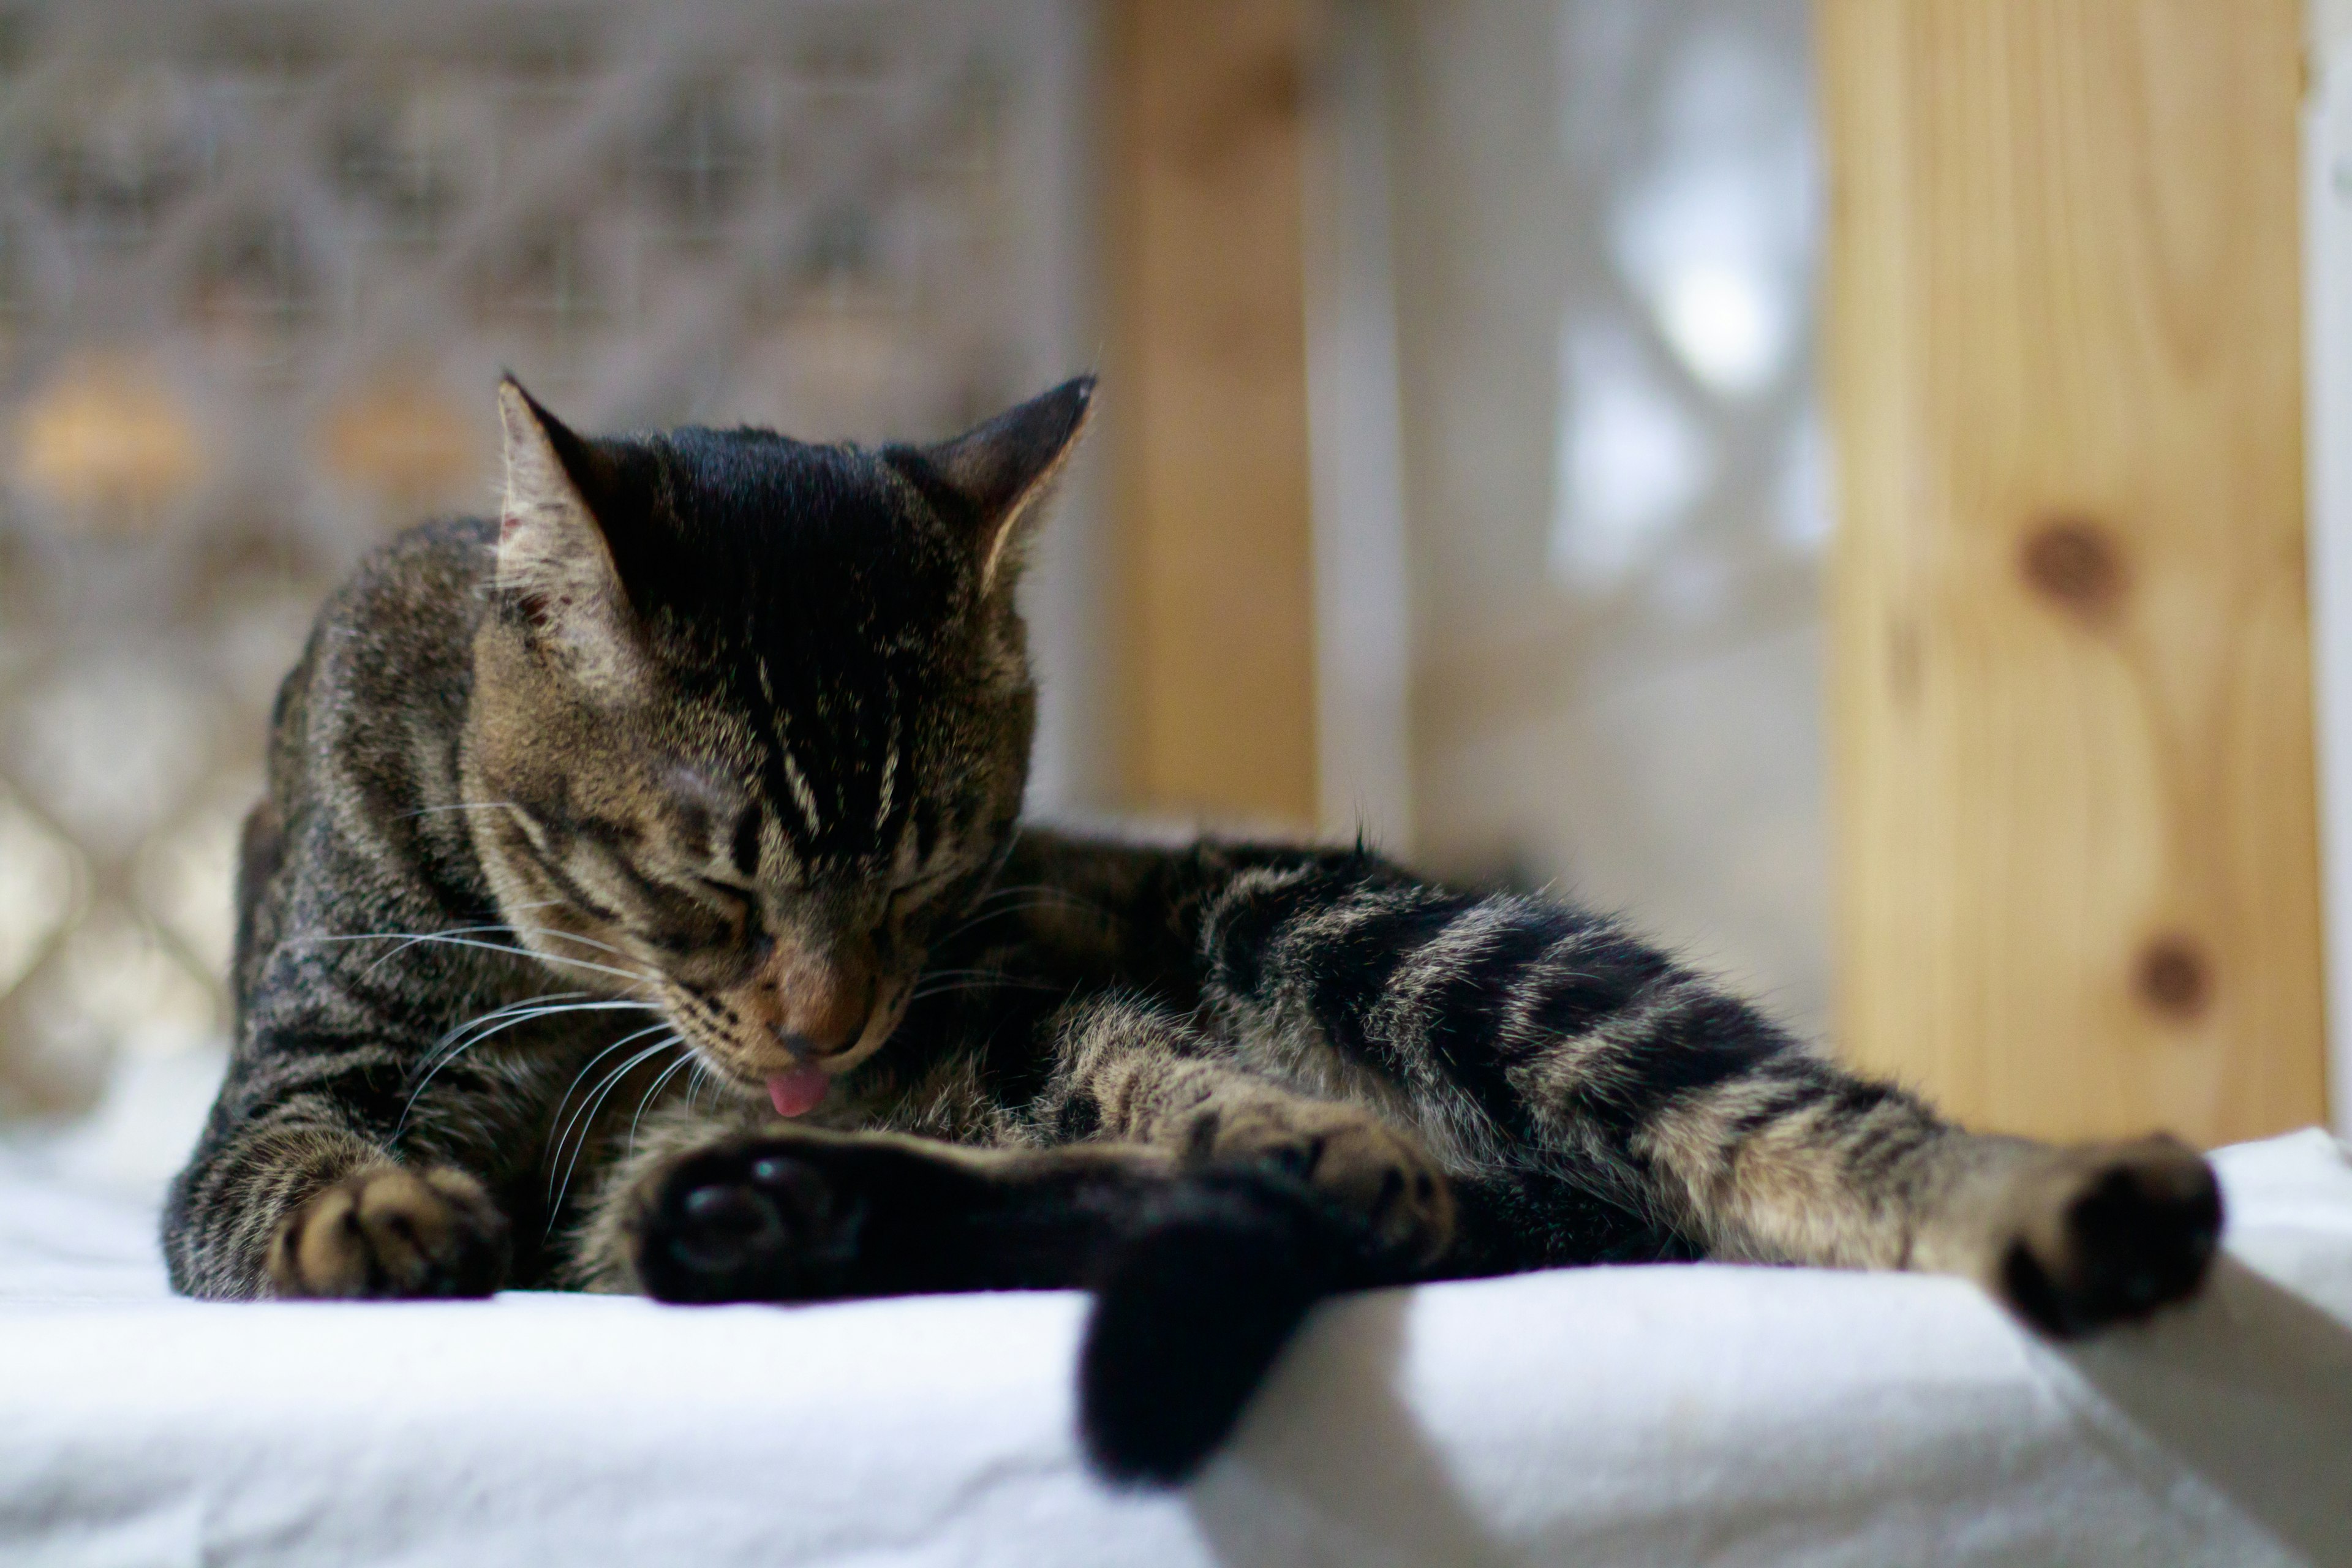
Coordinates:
x,y
974,908
703,1079
1048,888
454,939
453,1041
646,1098
576,936
584,1126
925,996
455,1038
551,1002
514,1014
1041,895
567,1122
587,1119
1043,899
924,992
407,939
1010,889
571,936
456,1043
1006,913
563,1132
570,1123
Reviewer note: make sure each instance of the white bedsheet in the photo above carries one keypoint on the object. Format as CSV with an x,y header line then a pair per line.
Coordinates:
x,y
1670,1415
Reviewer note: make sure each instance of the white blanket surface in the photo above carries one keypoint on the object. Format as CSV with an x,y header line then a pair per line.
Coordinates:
x,y
1667,1415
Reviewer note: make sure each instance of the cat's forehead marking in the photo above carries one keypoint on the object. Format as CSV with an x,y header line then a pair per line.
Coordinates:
x,y
889,776
802,796
778,844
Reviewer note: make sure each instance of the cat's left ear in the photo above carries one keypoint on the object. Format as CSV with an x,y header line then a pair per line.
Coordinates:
x,y
1003,471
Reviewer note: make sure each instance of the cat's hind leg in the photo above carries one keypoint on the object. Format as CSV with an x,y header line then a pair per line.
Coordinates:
x,y
1129,1071
1557,1035
1763,1150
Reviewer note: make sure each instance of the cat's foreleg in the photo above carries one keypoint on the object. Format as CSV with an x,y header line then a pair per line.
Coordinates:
x,y
1200,1275
293,1201
1132,1072
786,1213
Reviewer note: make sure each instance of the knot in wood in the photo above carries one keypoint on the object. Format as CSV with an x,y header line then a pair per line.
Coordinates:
x,y
2174,978
2072,561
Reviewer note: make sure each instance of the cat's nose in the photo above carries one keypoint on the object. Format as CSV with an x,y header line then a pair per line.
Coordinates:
x,y
805,1047
820,1009
812,1000
820,1027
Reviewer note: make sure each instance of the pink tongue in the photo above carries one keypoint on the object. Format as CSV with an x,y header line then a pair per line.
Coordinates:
x,y
797,1093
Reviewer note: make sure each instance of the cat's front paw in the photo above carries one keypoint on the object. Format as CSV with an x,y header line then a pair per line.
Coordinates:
x,y
2110,1232
1372,1168
759,1220
392,1232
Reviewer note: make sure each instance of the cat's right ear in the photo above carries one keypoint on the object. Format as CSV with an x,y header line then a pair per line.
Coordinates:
x,y
1001,474
555,567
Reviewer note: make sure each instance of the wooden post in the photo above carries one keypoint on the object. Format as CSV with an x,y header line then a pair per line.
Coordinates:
x,y
1206,398
2072,698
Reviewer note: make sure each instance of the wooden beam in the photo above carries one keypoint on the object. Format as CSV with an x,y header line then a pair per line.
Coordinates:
x,y
2072,702
1207,405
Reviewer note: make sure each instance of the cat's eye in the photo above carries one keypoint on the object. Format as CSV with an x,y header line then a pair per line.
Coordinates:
x,y
745,842
734,896
741,907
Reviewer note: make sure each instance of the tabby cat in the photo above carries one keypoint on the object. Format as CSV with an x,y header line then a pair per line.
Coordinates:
x,y
639,903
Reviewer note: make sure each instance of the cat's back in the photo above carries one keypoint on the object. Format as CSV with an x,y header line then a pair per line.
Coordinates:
x,y
366,728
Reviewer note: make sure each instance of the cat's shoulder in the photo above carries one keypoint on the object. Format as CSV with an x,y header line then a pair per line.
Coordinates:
x,y
425,570
391,645
412,601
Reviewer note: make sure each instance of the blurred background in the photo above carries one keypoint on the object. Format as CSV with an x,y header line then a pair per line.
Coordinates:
x,y
260,268
1465,480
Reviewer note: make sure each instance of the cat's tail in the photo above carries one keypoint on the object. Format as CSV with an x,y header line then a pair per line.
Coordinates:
x,y
1193,1305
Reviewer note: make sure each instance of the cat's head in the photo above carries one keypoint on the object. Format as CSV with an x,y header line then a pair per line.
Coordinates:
x,y
752,716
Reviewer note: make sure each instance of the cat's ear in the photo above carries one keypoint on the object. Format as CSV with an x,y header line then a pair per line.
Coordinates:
x,y
554,563
1003,471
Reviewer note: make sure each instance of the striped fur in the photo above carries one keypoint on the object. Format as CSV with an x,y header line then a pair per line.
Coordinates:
x,y
592,829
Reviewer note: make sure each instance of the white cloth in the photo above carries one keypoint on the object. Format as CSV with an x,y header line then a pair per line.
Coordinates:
x,y
1666,1415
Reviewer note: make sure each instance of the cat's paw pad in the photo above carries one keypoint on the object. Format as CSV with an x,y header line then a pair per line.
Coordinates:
x,y
392,1232
1371,1168
2111,1232
756,1222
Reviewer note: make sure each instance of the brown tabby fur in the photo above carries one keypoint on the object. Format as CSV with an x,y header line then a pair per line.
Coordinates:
x,y
701,766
